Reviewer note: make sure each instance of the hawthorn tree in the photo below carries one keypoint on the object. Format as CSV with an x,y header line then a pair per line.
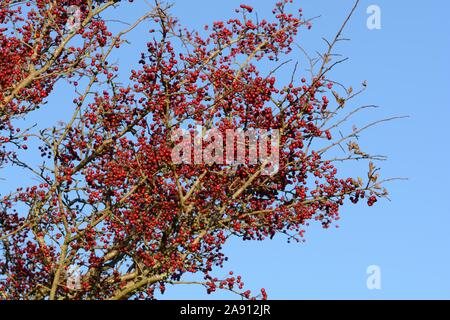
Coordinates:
x,y
111,201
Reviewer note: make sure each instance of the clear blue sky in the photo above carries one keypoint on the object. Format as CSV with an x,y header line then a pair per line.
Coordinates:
x,y
407,66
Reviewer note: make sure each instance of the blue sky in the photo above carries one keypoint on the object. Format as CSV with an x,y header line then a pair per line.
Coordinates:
x,y
407,68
